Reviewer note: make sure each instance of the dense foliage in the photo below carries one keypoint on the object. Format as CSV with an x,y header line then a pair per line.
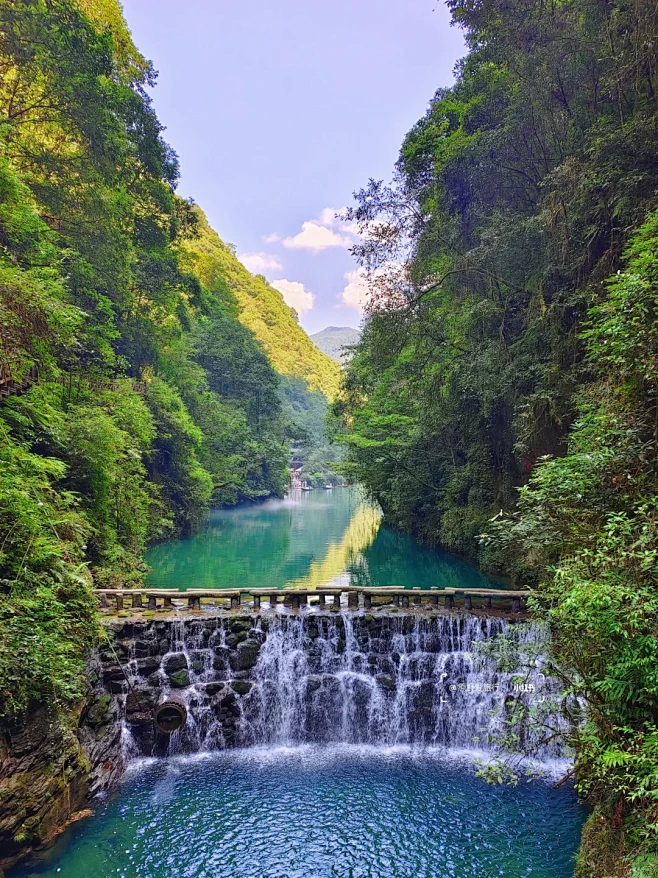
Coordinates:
x,y
263,312
308,416
308,378
503,351
137,394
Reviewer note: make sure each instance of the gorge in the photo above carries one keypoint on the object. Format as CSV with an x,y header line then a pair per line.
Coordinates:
x,y
474,485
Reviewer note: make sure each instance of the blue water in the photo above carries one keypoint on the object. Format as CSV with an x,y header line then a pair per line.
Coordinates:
x,y
320,538
342,812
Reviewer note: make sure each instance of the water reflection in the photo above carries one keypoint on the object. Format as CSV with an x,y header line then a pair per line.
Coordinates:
x,y
306,540
336,566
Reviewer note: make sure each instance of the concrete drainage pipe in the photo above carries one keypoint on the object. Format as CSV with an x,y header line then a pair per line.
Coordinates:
x,y
171,715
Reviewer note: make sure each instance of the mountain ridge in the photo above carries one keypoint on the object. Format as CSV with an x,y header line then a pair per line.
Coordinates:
x,y
332,339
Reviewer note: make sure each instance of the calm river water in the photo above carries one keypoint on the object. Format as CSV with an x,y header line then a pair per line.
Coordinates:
x,y
308,539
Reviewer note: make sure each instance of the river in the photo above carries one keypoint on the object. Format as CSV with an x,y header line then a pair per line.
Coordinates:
x,y
311,812
344,746
306,540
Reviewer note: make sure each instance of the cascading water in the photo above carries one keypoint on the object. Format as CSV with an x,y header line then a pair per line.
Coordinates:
x,y
385,681
348,678
325,743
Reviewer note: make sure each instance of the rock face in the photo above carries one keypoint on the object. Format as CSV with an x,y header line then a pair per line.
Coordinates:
x,y
51,768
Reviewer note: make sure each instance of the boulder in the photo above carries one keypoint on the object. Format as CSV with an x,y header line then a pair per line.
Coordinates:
x,y
246,655
176,661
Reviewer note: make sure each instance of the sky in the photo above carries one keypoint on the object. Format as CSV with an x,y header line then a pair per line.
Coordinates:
x,y
280,111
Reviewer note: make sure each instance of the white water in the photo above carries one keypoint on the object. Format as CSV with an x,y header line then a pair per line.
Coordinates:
x,y
350,680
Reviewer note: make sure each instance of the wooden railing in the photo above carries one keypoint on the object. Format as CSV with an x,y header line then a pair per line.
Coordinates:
x,y
10,385
357,597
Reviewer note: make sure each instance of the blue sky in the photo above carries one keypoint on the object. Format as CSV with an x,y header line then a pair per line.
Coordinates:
x,y
279,111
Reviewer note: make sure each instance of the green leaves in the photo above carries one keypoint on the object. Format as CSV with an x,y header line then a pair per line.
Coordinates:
x,y
152,399
508,389
46,606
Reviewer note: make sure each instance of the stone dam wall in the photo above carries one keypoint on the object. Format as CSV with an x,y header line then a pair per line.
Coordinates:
x,y
286,679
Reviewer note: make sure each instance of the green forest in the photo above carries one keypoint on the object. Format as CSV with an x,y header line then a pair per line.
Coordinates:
x,y
503,401
141,387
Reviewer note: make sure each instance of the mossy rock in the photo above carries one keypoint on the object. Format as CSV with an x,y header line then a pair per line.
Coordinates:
x,y
246,655
180,679
387,683
602,849
241,687
99,710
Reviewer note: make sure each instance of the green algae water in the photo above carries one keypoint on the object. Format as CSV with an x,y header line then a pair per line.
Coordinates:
x,y
311,812
309,539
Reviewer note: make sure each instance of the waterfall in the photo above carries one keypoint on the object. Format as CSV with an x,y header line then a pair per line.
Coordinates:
x,y
397,680
345,678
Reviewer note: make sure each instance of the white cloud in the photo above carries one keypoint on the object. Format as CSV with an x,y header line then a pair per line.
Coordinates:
x,y
356,291
388,286
322,233
328,216
271,239
257,263
314,236
295,294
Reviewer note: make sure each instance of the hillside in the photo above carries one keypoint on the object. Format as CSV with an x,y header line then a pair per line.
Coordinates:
x,y
333,339
262,310
144,399
502,400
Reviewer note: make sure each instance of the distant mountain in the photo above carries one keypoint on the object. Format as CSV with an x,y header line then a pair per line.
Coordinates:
x,y
333,339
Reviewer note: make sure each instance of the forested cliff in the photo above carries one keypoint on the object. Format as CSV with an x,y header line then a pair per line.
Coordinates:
x,y
141,386
512,344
